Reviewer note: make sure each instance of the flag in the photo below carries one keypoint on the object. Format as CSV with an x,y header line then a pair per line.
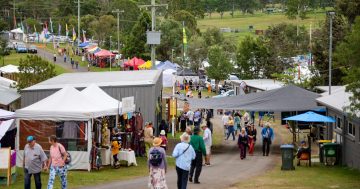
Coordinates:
x,y
34,28
22,27
46,31
67,30
84,37
184,40
59,29
74,34
51,26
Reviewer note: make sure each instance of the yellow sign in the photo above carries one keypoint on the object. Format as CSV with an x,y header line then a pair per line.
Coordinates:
x,y
173,107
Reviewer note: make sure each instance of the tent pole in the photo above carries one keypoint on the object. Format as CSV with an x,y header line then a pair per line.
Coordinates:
x,y
89,134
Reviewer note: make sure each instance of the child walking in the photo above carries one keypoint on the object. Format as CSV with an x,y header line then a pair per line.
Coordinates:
x,y
163,139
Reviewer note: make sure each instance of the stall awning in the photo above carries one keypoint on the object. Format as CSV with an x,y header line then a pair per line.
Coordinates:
x,y
134,62
288,98
4,115
146,66
104,53
311,117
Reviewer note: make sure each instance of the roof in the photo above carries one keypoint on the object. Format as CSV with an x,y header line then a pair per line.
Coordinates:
x,y
326,88
9,69
167,65
288,98
7,93
101,79
185,72
339,99
262,84
17,30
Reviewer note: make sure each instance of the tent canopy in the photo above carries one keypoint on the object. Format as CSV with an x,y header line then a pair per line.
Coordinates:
x,y
186,72
5,126
84,44
66,104
104,53
288,98
168,77
167,65
10,69
17,30
6,114
146,66
134,62
310,117
97,95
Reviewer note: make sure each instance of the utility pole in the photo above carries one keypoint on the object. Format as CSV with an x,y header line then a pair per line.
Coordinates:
x,y
110,51
14,9
117,11
331,15
153,24
78,5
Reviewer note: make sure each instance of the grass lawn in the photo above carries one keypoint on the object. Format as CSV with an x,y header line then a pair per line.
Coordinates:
x,y
85,178
14,59
259,21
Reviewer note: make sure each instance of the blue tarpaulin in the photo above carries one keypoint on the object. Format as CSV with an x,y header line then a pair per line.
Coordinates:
x,y
310,117
81,45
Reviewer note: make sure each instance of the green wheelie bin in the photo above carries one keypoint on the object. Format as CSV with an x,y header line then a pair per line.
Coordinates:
x,y
331,153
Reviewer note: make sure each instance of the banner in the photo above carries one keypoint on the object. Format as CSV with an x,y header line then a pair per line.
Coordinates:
x,y
73,35
51,26
59,29
66,30
127,105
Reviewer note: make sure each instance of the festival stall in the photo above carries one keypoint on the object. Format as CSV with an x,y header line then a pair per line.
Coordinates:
x,y
69,115
133,64
167,65
146,66
168,77
104,57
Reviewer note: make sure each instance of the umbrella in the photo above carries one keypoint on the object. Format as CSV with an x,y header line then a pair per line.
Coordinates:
x,y
310,117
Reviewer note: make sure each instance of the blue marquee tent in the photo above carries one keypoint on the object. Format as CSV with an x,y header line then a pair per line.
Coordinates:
x,y
310,117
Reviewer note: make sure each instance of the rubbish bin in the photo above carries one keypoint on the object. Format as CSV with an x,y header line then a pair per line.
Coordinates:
x,y
331,153
287,156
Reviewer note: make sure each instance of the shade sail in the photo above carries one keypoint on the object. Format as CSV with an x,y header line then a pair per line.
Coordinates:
x,y
288,98
98,96
310,117
66,104
134,62
104,53
146,66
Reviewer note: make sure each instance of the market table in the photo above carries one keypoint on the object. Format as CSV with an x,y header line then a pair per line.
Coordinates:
x,y
128,156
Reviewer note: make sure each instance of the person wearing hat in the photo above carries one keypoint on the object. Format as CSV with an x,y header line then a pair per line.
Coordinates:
x,y
197,142
184,153
34,161
148,136
207,136
164,139
267,134
157,165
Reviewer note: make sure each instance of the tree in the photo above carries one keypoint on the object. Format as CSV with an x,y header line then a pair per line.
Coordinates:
x,y
212,36
220,66
3,50
188,19
248,6
195,7
171,38
135,43
31,23
349,8
3,25
348,54
197,52
251,59
221,7
103,27
129,17
297,8
210,6
33,70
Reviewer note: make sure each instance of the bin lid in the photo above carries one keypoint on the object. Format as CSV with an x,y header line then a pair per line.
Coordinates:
x,y
331,144
287,146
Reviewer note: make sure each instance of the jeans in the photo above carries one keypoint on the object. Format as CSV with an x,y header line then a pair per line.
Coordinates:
x,y
182,179
230,131
266,146
62,172
196,165
27,181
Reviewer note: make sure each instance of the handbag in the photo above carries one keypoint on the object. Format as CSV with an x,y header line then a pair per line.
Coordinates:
x,y
68,157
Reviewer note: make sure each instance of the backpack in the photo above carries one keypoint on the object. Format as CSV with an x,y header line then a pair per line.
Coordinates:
x,y
68,157
155,157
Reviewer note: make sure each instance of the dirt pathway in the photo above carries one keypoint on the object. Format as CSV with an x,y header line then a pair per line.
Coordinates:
x,y
227,169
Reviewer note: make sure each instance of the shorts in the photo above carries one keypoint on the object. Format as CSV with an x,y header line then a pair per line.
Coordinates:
x,y
208,149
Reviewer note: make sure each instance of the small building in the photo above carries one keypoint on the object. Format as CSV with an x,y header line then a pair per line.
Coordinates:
x,y
255,85
9,97
145,86
346,130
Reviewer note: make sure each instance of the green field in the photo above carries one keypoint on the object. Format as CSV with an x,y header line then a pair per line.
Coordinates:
x,y
259,21
14,59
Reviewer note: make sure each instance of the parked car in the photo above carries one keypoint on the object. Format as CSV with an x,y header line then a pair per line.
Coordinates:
x,y
225,94
21,48
33,49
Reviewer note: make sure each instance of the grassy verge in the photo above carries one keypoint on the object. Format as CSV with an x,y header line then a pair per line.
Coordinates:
x,y
14,59
104,175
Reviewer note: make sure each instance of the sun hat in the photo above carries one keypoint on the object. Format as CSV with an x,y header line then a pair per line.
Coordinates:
x,y
30,138
162,132
185,138
157,141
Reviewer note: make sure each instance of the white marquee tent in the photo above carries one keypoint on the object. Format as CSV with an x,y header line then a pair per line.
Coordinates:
x,y
168,77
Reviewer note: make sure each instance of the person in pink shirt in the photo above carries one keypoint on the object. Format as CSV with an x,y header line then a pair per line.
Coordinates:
x,y
57,164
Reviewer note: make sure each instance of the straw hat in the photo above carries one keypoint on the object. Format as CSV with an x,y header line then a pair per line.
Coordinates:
x,y
162,132
185,138
157,141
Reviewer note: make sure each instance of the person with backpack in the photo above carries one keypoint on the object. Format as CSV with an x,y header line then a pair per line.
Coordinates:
x,y
197,142
184,153
57,162
157,166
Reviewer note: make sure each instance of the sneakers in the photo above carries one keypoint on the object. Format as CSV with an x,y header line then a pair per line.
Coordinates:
x,y
207,164
190,179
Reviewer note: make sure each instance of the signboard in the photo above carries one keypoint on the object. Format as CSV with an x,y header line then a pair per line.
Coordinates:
x,y
128,105
173,107
153,37
5,154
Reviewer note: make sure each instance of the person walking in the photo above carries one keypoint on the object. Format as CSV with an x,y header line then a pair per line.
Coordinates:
x,y
58,155
190,117
64,57
237,123
252,138
243,143
261,116
72,63
207,136
164,126
225,120
197,142
157,166
246,119
54,57
197,118
230,127
163,139
77,64
184,153
33,162
148,137
267,134
252,117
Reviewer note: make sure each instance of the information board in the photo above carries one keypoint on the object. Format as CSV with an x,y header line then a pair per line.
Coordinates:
x,y
5,154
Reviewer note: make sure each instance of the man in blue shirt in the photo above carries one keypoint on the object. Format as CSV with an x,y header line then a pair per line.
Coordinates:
x,y
183,153
267,134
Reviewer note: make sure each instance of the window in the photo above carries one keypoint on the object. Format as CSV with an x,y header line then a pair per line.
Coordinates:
x,y
338,122
351,129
